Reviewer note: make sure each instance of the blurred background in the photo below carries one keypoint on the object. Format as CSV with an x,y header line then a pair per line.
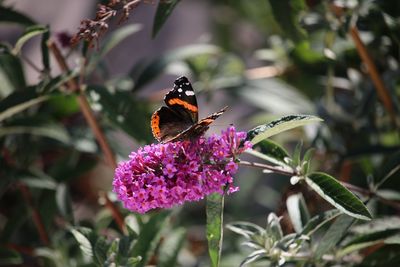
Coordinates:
x,y
263,59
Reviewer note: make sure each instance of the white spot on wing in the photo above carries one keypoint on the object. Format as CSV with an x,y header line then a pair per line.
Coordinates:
x,y
180,90
189,93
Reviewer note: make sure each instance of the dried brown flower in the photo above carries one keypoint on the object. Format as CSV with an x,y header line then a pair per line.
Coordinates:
x,y
91,29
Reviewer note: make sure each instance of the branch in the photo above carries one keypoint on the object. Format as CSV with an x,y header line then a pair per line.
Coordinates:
x,y
365,192
98,133
26,194
382,91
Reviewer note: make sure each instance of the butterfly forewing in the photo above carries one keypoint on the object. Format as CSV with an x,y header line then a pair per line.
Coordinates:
x,y
182,100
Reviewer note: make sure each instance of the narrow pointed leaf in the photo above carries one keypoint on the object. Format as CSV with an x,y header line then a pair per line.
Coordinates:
x,y
334,234
149,237
17,102
338,195
169,250
29,33
264,131
164,10
298,212
10,15
270,151
215,207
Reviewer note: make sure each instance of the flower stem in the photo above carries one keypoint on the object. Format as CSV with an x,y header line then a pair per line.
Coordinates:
x,y
275,169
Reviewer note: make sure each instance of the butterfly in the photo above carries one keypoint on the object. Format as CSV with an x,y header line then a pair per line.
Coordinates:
x,y
179,119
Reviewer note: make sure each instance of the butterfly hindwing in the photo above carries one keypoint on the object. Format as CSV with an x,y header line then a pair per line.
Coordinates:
x,y
199,128
166,124
182,99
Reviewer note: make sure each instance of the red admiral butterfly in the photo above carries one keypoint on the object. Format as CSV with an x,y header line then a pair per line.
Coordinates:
x,y
179,120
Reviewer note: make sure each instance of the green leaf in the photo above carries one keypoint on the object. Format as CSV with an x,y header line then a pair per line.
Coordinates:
x,y
11,74
9,257
264,131
157,66
333,235
123,110
377,225
55,132
274,229
298,211
254,256
318,221
18,102
270,151
100,251
214,211
63,200
112,41
338,195
29,33
385,256
10,15
164,10
245,229
287,15
39,182
170,248
84,242
149,237
45,49
367,240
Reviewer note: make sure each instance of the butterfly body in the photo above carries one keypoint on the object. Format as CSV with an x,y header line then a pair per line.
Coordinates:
x,y
178,120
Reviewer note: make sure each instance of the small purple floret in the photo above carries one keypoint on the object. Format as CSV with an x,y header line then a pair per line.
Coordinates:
x,y
165,175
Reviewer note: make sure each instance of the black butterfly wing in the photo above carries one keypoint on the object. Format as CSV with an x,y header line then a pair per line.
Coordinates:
x,y
182,100
166,124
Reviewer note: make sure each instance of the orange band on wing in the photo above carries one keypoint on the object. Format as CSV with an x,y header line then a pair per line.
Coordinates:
x,y
155,125
186,105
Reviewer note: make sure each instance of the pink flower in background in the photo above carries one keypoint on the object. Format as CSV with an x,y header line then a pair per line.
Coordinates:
x,y
165,175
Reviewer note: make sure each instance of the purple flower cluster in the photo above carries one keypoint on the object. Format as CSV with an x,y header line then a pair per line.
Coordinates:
x,y
165,175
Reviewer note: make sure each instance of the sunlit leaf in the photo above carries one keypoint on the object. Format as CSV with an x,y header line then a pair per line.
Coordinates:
x,y
55,132
264,131
83,241
164,10
270,151
254,256
338,195
29,33
169,249
18,102
63,200
149,237
298,211
214,211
